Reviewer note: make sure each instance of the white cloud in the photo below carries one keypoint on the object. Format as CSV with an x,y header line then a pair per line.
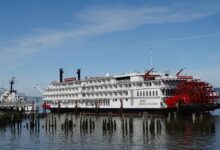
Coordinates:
x,y
213,35
97,21
129,18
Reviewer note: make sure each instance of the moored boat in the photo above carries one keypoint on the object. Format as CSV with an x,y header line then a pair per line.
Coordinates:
x,y
12,100
148,91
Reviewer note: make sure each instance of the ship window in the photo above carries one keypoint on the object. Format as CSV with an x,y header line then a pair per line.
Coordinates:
x,y
143,93
137,93
156,93
153,93
140,94
149,93
139,84
146,93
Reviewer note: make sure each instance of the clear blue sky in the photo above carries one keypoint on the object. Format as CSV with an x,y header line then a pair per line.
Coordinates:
x,y
39,36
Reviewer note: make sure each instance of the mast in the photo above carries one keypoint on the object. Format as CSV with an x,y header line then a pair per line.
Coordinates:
x,y
12,82
151,58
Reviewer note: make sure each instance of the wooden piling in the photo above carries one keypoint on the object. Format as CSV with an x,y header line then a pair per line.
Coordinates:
x,y
193,117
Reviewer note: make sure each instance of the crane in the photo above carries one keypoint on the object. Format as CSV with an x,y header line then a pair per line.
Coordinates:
x,y
39,89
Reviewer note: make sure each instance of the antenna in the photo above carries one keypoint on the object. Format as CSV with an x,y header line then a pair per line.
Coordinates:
x,y
151,58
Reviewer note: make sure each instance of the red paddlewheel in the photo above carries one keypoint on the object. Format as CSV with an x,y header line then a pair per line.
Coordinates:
x,y
191,93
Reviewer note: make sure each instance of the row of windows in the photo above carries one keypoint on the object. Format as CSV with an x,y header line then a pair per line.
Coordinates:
x,y
89,95
62,96
63,90
106,94
106,86
168,92
63,84
98,81
157,83
71,89
147,93
99,102
139,94
105,102
92,94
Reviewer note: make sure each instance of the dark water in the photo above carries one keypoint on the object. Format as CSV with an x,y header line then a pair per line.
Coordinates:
x,y
90,132
97,134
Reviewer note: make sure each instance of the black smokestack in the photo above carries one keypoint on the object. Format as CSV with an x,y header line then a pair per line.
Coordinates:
x,y
61,75
79,74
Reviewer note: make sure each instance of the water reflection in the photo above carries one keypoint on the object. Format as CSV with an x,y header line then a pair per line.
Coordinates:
x,y
191,134
69,131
